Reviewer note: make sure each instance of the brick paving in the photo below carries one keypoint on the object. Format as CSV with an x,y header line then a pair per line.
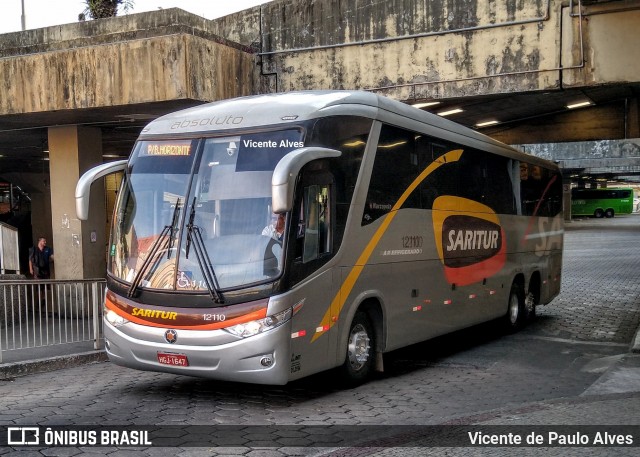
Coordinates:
x,y
601,283
572,366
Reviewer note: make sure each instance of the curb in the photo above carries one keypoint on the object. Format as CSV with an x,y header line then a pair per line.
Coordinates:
x,y
15,369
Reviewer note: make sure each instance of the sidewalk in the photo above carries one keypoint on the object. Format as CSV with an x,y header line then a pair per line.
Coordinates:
x,y
45,358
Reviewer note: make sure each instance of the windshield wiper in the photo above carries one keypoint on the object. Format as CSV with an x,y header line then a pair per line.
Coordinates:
x,y
160,243
194,237
174,220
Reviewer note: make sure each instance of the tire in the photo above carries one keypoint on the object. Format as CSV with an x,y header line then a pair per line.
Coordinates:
x,y
360,356
516,315
609,213
598,213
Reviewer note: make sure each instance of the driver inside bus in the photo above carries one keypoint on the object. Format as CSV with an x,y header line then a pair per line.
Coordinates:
x,y
276,228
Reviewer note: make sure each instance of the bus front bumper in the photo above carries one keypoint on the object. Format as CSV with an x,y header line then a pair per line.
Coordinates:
x,y
260,359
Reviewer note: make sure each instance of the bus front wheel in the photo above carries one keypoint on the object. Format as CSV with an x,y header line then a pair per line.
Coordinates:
x,y
609,213
516,310
360,350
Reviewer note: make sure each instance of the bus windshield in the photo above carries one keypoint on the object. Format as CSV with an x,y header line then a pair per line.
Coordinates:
x,y
193,205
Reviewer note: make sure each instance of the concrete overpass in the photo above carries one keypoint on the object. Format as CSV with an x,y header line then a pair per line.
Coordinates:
x,y
74,95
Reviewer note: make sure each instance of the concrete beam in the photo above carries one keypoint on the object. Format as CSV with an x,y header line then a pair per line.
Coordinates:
x,y
604,122
139,71
412,49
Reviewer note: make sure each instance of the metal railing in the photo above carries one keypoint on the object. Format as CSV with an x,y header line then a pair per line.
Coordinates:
x,y
46,313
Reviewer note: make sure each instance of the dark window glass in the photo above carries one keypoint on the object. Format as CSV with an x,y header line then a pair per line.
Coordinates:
x,y
485,179
403,155
349,135
594,194
397,164
313,236
444,180
324,192
540,191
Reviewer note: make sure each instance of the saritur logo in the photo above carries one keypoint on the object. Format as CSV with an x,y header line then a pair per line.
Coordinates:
x,y
470,241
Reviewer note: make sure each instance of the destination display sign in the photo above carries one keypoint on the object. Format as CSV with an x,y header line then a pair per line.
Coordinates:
x,y
166,148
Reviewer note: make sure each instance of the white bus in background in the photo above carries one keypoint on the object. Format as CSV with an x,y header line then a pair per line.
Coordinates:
x,y
395,226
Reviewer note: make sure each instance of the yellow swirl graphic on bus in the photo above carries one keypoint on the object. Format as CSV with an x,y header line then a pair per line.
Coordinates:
x,y
329,319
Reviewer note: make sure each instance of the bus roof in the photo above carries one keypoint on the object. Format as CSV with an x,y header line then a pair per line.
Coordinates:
x,y
272,109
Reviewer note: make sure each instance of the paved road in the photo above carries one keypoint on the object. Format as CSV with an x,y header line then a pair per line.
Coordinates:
x,y
572,366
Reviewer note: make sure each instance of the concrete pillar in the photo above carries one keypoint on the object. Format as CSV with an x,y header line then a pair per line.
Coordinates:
x,y
79,246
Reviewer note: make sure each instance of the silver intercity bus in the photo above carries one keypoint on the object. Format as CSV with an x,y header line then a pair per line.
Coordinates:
x,y
266,238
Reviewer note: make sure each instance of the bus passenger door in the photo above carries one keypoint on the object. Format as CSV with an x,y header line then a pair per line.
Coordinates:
x,y
313,227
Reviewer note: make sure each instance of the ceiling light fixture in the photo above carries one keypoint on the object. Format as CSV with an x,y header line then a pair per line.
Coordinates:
x,y
425,104
579,104
487,123
450,112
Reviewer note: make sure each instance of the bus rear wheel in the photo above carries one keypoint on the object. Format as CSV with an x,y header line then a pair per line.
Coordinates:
x,y
359,361
516,310
598,213
609,213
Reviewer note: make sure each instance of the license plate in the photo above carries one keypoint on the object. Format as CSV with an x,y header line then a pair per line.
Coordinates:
x,y
177,360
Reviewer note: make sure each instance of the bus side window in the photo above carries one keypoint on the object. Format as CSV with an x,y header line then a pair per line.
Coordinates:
x,y
314,226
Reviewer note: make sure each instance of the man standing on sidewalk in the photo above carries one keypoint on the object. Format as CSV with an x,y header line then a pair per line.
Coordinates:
x,y
40,258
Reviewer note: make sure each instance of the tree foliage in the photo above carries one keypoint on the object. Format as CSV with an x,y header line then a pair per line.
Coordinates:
x,y
98,9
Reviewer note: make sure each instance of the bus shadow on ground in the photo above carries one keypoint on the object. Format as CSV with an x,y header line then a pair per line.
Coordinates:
x,y
397,363
437,351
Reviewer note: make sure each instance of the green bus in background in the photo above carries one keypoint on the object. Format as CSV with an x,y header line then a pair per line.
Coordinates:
x,y
601,202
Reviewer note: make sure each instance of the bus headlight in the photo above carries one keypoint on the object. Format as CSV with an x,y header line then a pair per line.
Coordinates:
x,y
114,318
261,325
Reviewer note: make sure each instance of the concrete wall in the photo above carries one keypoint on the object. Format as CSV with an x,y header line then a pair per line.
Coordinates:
x,y
609,32
432,41
407,49
68,68
479,46
139,71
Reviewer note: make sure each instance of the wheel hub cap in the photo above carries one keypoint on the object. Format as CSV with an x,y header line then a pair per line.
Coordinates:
x,y
358,347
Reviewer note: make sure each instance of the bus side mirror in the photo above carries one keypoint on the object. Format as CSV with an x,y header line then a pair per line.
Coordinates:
x,y
287,170
83,188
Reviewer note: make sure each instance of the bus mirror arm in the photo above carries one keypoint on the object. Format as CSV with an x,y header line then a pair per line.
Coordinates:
x,y
83,188
286,172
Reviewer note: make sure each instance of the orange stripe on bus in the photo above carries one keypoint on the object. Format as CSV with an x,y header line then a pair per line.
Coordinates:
x,y
252,316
